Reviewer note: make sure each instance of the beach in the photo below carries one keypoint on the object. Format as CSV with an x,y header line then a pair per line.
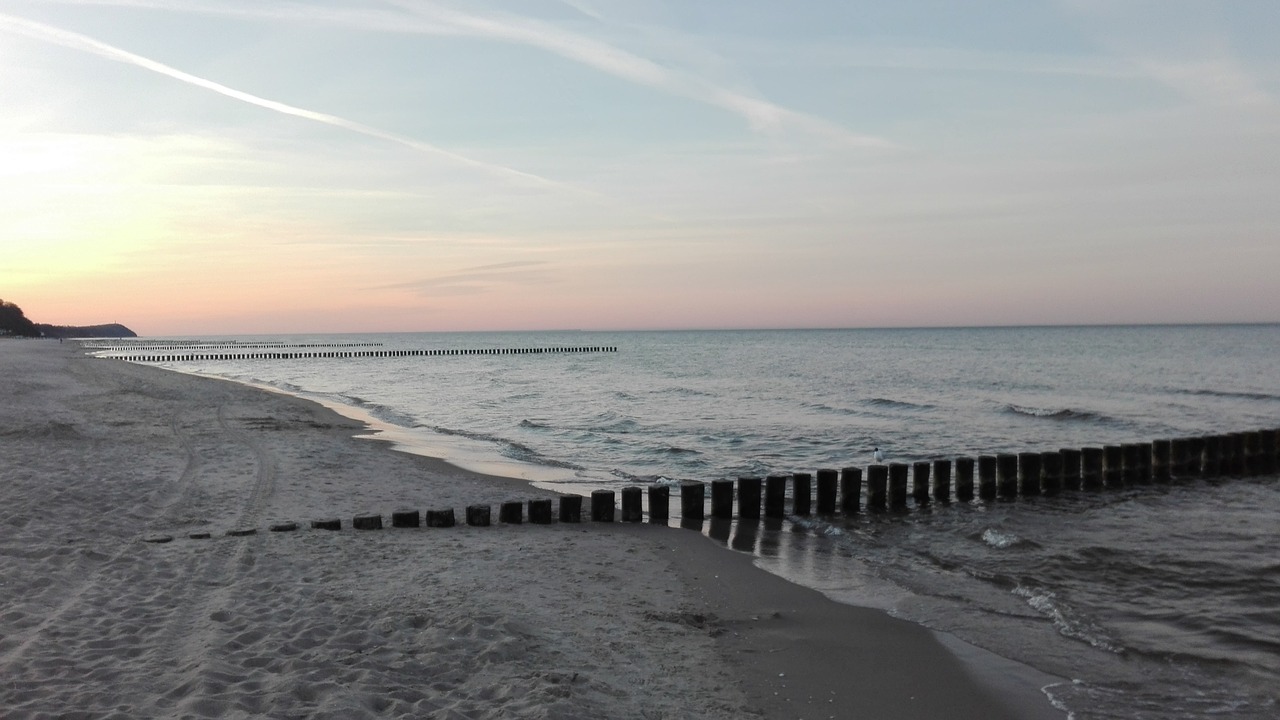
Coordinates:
x,y
528,621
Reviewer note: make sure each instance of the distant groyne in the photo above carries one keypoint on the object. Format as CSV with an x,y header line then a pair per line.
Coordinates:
x,y
315,352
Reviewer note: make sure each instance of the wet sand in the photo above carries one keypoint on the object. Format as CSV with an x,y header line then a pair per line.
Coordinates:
x,y
525,621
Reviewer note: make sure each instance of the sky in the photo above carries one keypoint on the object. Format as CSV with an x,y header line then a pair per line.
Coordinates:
x,y
252,166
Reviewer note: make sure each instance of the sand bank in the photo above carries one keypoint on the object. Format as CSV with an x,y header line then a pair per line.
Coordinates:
x,y
560,621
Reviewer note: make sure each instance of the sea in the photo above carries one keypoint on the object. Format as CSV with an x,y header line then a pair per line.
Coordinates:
x,y
1154,601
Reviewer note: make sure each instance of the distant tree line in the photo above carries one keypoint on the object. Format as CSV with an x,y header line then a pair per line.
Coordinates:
x,y
14,322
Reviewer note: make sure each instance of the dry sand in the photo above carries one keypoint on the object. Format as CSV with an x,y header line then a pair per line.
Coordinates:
x,y
557,621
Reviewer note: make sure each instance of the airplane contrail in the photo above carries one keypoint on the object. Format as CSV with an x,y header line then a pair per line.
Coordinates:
x,y
84,43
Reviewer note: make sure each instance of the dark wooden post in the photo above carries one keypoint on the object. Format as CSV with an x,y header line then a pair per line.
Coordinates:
x,y
920,481
367,522
1160,454
828,484
801,493
540,511
721,498
659,503
1113,466
1267,449
322,524
1253,453
987,484
1235,454
443,518
1212,456
775,496
1129,463
602,506
877,486
1091,468
570,508
898,485
964,479
693,500
1070,468
1145,461
511,513
1195,457
942,480
1007,475
749,498
1178,458
1051,472
478,515
850,490
406,519
1029,468
632,504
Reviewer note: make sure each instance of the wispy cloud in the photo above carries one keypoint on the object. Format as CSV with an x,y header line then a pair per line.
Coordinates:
x,y
84,43
478,279
433,18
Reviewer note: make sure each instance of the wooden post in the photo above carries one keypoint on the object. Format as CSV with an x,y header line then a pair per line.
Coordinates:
x,y
749,498
802,493
828,484
877,486
442,518
1252,453
987,485
659,503
1195,457
1235,454
367,522
540,511
693,500
1091,467
1007,475
511,513
632,504
1160,454
898,485
287,526
1029,469
406,519
326,524
964,479
570,508
1112,466
1178,458
1129,463
942,480
1051,472
1212,456
920,481
850,490
721,498
1267,445
1070,468
478,515
602,506
775,496
1145,460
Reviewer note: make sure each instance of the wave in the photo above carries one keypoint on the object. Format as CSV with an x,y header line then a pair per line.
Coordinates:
x,y
507,448
1231,394
1058,413
381,412
896,404
534,425
1066,620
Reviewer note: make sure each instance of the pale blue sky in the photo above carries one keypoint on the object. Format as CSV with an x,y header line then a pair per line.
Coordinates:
x,y
268,166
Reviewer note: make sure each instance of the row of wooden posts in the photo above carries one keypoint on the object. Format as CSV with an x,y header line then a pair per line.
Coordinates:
x,y
1002,476
193,356
152,346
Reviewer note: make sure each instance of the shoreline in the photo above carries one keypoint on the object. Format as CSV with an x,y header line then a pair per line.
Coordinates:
x,y
554,621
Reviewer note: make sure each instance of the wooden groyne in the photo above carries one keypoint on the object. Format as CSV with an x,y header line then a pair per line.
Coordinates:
x,y
310,354
895,487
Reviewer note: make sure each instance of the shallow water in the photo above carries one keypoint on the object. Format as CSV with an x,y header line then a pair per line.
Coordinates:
x,y
1158,601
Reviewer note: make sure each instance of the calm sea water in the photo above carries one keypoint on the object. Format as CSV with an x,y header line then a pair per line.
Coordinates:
x,y
1154,602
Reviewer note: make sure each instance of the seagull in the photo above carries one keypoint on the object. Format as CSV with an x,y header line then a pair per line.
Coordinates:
x,y
878,455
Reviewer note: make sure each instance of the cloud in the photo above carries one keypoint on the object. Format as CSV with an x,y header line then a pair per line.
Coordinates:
x,y
435,19
83,43
478,279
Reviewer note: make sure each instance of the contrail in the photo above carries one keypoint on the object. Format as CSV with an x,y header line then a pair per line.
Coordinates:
x,y
76,41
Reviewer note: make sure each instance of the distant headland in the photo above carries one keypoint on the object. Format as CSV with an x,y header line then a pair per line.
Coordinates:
x,y
14,323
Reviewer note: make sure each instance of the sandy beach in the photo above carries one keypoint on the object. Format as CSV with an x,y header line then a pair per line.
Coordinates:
x,y
515,621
